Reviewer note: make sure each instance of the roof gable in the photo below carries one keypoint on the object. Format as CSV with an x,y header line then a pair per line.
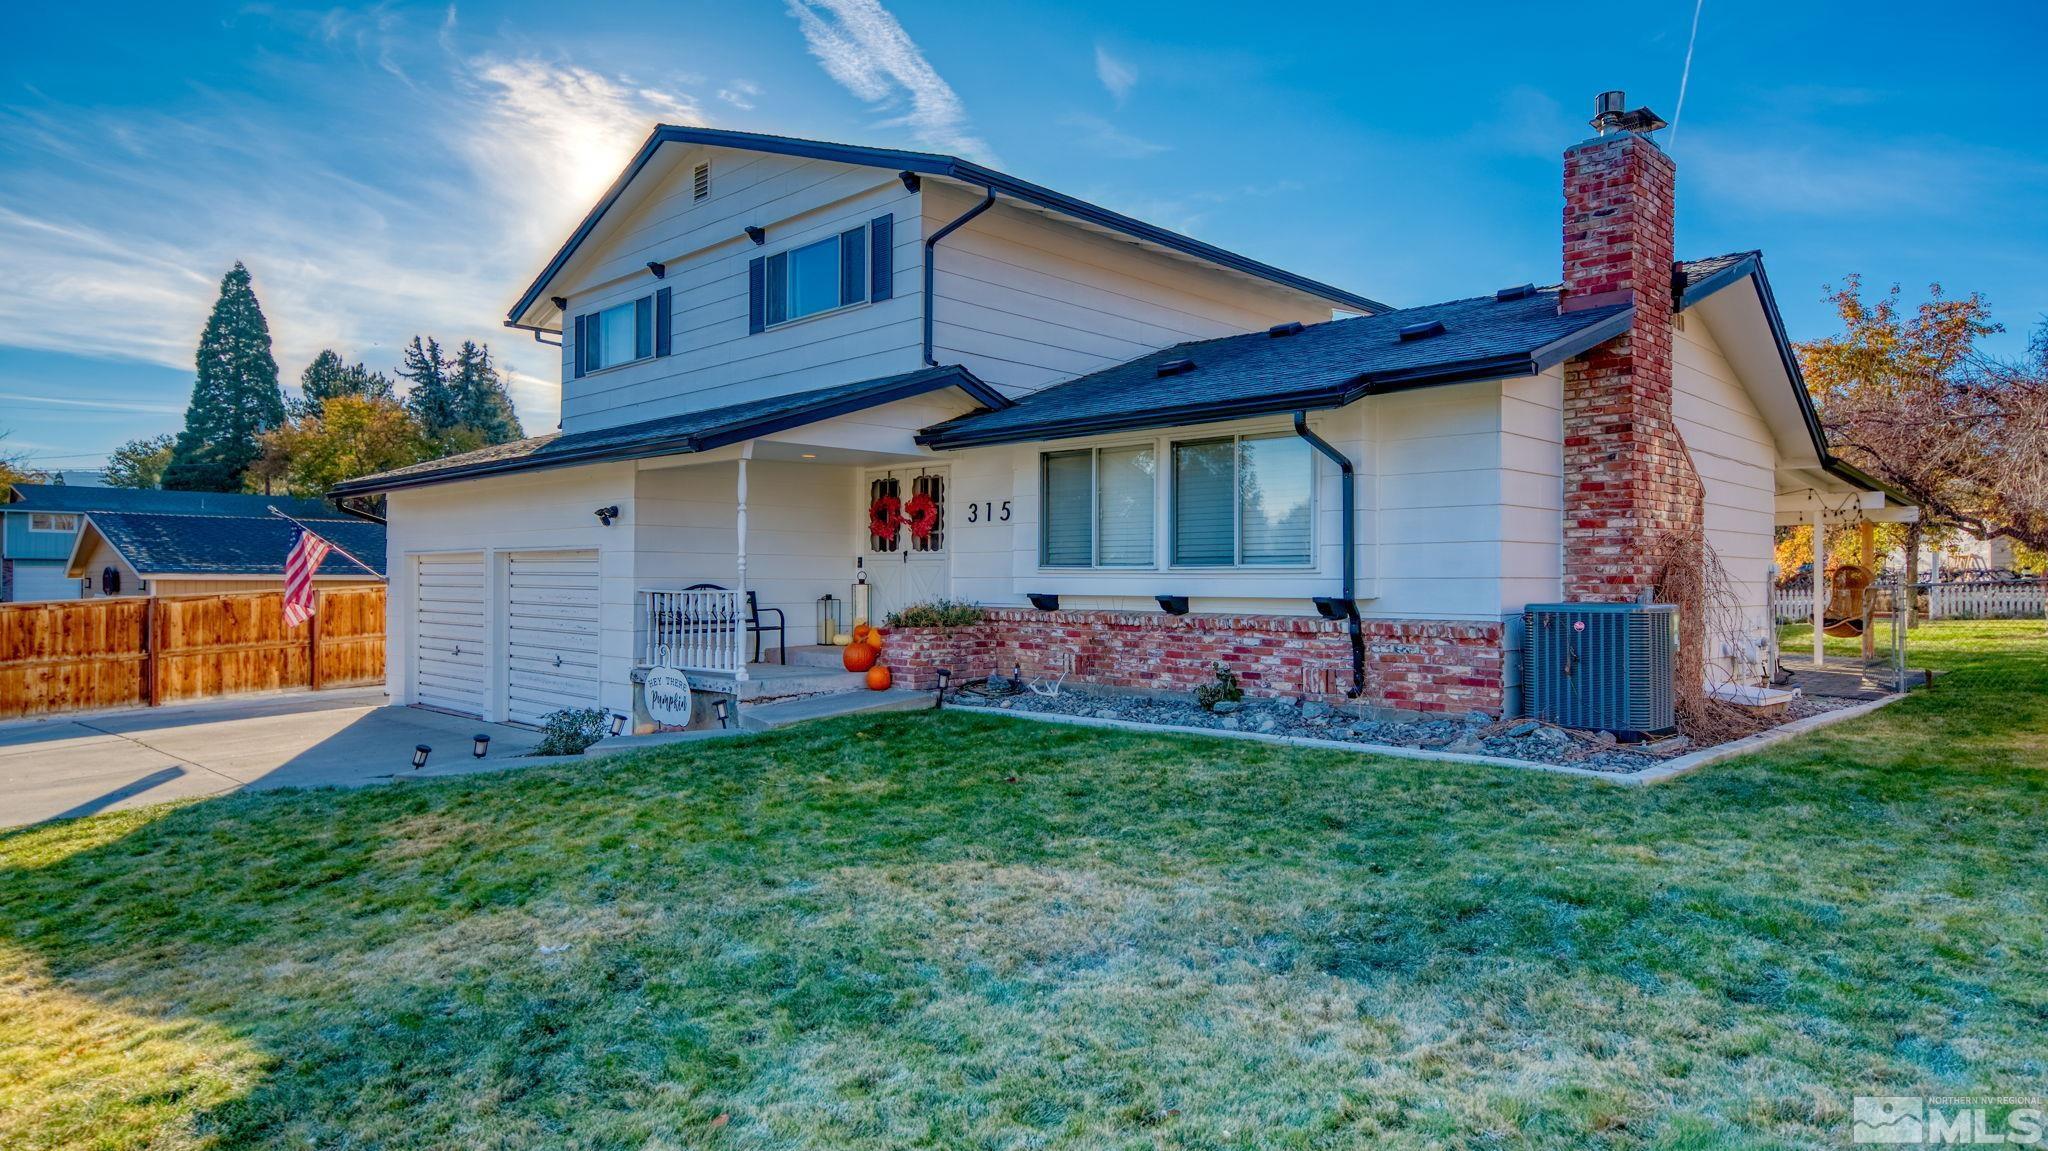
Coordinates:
x,y
923,164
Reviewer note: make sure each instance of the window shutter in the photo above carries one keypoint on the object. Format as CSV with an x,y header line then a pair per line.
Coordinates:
x,y
853,266
882,257
643,327
662,317
581,351
757,296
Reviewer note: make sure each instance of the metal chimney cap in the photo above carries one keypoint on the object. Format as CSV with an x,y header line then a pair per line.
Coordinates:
x,y
1608,115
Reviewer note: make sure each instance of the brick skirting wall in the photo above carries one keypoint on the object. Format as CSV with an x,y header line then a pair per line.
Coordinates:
x,y
1410,665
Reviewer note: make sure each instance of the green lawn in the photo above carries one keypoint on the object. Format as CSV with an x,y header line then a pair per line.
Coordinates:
x,y
960,931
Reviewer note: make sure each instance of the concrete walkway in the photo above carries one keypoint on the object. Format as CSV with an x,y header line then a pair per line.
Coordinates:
x,y
66,766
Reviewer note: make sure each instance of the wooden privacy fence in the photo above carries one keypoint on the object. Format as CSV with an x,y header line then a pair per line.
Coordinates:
x,y
79,655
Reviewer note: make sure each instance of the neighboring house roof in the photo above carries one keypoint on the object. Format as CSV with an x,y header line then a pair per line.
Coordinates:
x,y
157,545
930,164
676,435
71,498
1319,366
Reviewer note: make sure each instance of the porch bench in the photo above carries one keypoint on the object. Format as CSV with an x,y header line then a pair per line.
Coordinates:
x,y
756,627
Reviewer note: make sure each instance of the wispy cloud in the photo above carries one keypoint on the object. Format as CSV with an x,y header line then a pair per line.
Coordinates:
x,y
1099,135
118,226
92,405
1819,174
1116,75
740,94
862,47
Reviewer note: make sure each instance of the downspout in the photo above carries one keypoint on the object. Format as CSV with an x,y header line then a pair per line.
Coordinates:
x,y
931,244
1350,589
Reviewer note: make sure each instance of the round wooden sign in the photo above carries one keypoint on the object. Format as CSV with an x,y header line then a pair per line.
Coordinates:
x,y
668,697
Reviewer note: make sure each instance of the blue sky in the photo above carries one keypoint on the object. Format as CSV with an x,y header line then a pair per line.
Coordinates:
x,y
408,168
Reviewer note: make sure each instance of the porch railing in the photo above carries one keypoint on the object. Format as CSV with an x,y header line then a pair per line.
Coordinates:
x,y
702,631
1965,600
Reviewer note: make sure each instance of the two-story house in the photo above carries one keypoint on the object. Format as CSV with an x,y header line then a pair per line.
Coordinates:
x,y
786,361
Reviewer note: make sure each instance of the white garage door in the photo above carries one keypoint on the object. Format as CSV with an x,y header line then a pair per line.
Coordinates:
x,y
42,581
551,634
448,632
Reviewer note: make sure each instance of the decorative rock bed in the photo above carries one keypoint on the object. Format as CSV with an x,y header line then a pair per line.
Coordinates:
x,y
1522,739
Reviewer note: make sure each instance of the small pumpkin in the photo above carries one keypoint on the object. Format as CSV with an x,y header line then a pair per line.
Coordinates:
x,y
874,639
878,677
860,631
859,656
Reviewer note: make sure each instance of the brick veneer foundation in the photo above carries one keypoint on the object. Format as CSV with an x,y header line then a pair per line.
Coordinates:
x,y
1411,665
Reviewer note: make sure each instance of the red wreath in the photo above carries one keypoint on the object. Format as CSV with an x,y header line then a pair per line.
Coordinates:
x,y
885,517
922,513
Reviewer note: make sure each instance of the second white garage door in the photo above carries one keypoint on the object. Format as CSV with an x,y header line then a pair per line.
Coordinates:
x,y
551,634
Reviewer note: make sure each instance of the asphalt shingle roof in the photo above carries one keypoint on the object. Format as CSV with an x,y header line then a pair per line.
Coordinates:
x,y
1322,365
1694,273
676,435
74,498
156,544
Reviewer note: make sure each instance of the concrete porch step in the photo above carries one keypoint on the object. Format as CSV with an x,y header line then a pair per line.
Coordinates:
x,y
817,655
769,716
772,682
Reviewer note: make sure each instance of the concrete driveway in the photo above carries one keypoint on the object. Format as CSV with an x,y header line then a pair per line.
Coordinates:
x,y
76,765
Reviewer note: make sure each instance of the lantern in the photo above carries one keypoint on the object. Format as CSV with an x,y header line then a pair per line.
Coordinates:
x,y
723,711
419,756
945,681
831,619
480,745
618,722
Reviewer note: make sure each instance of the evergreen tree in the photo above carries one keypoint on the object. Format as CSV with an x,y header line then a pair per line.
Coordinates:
x,y
482,404
431,399
327,376
235,397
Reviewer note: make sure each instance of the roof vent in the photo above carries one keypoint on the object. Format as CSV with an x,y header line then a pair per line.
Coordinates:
x,y
1291,328
1422,331
1174,368
1518,292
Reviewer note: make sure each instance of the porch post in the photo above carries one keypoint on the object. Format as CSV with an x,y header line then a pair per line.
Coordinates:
x,y
1866,555
1820,595
739,632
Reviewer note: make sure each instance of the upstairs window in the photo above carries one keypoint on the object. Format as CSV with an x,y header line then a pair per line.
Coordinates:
x,y
831,273
623,333
51,522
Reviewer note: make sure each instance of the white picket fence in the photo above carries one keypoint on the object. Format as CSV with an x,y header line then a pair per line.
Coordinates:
x,y
1977,600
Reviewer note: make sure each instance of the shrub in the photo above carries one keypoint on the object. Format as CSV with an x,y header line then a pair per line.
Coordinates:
x,y
937,613
1225,688
570,730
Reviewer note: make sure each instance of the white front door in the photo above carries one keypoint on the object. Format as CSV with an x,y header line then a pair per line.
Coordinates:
x,y
910,566
448,632
550,633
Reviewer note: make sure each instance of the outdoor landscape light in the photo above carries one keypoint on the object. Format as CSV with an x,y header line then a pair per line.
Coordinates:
x,y
618,722
945,680
419,756
606,515
722,711
481,745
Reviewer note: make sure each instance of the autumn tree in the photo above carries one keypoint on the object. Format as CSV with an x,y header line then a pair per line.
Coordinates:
x,y
140,463
1897,393
352,436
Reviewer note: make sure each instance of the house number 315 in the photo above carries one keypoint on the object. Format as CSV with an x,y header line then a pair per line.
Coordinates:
x,y
986,512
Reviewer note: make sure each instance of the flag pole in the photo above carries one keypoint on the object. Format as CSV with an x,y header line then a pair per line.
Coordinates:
x,y
330,543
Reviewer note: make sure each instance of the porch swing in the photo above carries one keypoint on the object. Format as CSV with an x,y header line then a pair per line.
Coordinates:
x,y
1848,607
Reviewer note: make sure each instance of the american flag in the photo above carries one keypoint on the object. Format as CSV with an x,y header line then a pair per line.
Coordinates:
x,y
299,565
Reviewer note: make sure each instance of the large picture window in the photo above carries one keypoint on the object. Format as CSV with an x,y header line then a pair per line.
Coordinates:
x,y
1098,507
1242,501
832,273
52,522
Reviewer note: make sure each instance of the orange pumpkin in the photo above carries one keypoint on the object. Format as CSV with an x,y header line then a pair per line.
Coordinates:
x,y
878,677
874,639
860,632
859,656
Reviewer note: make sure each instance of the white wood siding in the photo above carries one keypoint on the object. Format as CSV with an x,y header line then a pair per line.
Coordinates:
x,y
706,253
1736,458
1025,300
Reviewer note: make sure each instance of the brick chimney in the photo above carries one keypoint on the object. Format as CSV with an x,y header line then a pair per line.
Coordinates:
x,y
1630,487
